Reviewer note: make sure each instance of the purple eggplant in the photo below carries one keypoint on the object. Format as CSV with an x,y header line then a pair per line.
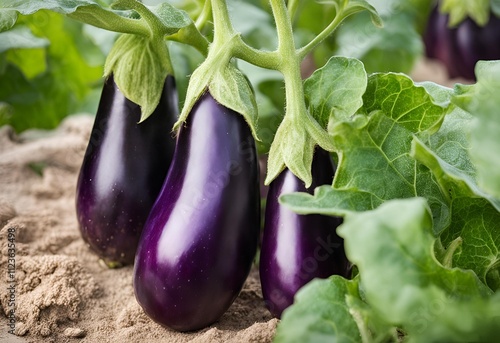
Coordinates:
x,y
201,236
297,248
460,48
123,171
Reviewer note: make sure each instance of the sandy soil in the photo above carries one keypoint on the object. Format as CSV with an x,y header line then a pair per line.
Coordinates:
x,y
62,292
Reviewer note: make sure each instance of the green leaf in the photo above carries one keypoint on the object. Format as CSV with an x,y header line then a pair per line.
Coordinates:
x,y
87,11
140,66
395,47
163,19
7,19
321,314
404,102
255,25
478,10
32,6
484,106
24,60
477,223
167,18
20,38
22,49
330,201
364,5
403,282
172,18
375,155
447,154
335,92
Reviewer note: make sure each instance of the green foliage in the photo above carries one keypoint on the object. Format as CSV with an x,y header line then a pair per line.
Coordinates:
x,y
458,10
394,47
45,75
414,210
418,176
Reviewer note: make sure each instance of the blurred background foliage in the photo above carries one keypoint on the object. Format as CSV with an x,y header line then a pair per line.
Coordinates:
x,y
51,66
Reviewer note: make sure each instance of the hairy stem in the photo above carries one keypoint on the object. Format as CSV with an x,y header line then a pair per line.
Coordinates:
x,y
223,29
292,8
204,16
289,63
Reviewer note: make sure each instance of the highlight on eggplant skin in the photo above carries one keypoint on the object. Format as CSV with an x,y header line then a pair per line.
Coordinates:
x,y
298,248
461,47
123,170
201,237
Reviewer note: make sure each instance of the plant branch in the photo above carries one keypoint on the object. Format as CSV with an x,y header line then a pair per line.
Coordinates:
x,y
289,62
286,44
223,29
225,37
205,15
340,15
259,58
292,8
192,36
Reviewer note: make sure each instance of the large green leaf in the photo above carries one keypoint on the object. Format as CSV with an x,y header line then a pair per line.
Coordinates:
x,y
21,48
322,313
309,320
402,284
477,224
335,92
331,201
122,19
394,47
402,280
484,104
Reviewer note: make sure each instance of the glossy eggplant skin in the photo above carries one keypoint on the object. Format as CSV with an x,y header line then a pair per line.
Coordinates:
x,y
123,171
461,47
297,248
201,237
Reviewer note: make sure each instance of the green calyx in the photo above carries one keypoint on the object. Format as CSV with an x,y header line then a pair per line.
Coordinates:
x,y
219,75
149,60
140,62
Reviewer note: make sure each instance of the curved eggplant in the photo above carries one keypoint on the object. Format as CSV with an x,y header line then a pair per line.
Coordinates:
x,y
297,248
123,170
461,47
201,237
